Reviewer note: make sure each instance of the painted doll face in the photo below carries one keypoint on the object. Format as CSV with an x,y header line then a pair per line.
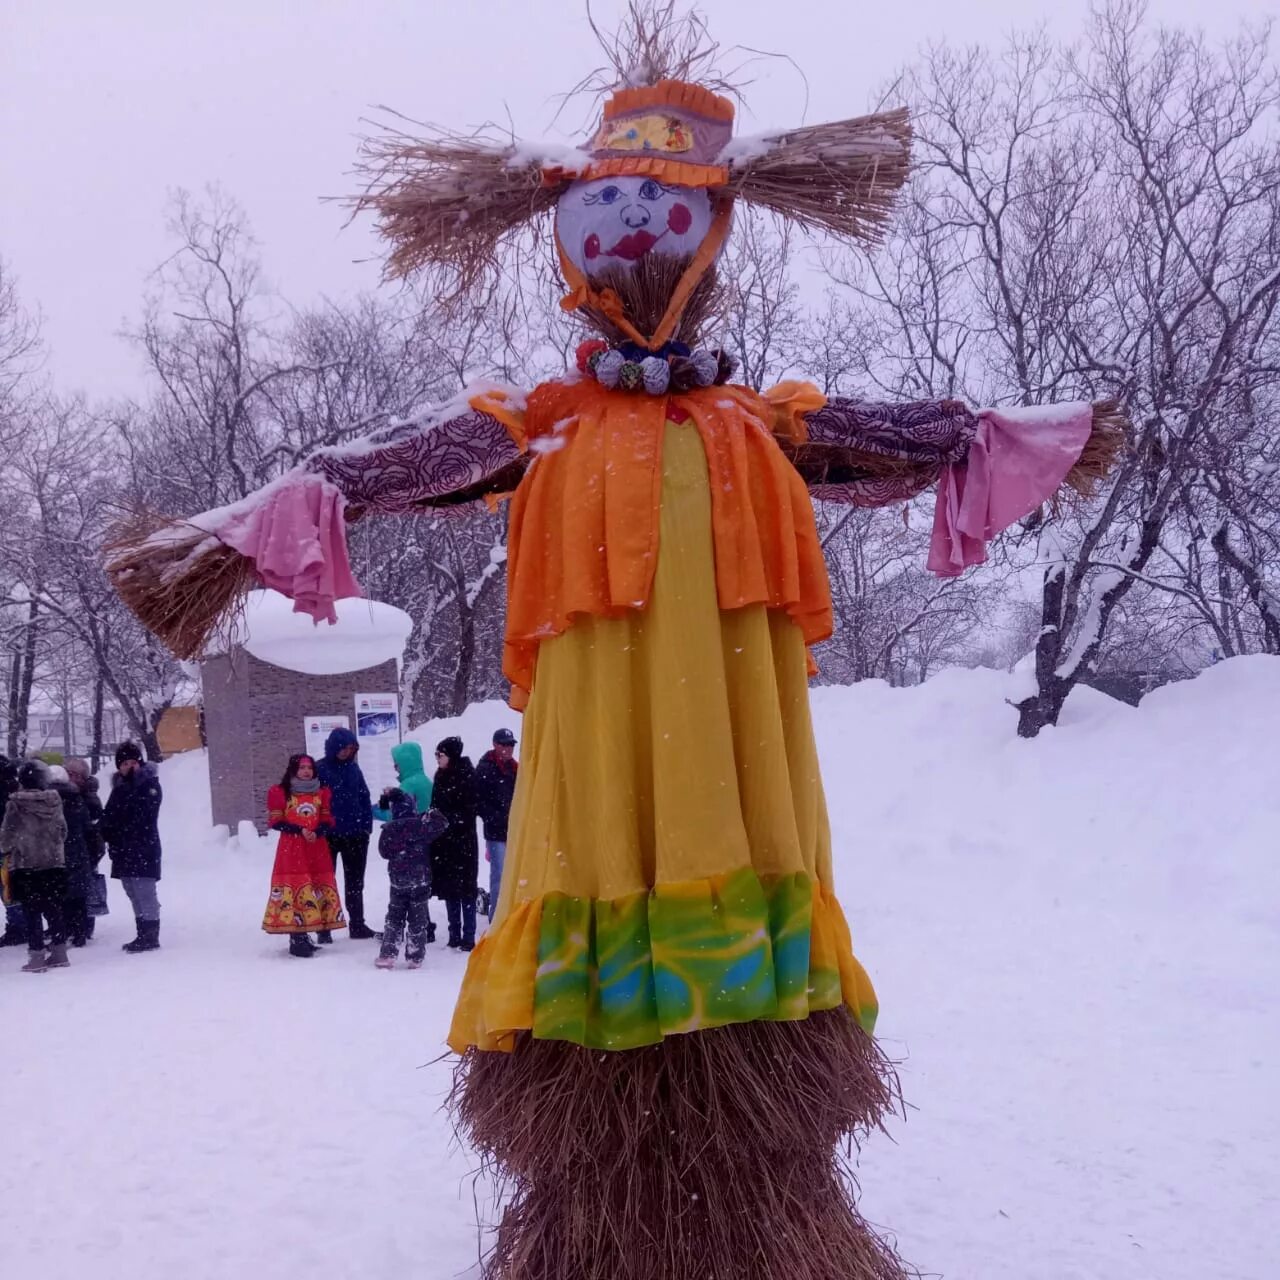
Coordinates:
x,y
617,222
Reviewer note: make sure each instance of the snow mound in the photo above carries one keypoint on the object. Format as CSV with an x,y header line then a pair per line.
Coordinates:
x,y
366,634
475,726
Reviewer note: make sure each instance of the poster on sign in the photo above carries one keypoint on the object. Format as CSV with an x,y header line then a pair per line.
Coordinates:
x,y
317,729
377,730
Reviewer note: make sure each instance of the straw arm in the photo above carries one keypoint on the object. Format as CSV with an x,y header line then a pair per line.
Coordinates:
x,y
876,454
186,579
872,454
455,462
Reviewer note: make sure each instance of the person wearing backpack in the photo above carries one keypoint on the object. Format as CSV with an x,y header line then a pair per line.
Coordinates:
x,y
32,842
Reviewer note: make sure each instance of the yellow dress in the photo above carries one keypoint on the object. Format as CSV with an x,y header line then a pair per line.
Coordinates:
x,y
669,867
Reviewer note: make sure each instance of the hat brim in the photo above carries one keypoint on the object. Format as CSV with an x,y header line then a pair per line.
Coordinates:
x,y
676,173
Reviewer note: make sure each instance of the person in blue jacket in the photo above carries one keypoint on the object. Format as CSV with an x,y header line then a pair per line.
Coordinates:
x,y
352,823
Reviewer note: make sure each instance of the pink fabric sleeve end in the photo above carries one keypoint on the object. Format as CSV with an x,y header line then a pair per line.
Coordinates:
x,y
295,534
1017,461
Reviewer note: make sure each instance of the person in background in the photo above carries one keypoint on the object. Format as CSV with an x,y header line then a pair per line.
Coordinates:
x,y
455,856
412,773
304,889
352,825
405,842
96,903
131,828
495,786
15,928
32,842
79,868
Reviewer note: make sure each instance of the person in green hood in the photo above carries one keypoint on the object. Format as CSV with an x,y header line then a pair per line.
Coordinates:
x,y
407,758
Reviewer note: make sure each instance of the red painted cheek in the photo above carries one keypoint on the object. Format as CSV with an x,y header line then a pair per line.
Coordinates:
x,y
679,220
591,249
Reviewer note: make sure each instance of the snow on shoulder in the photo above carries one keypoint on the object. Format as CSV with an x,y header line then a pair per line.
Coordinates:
x,y
366,634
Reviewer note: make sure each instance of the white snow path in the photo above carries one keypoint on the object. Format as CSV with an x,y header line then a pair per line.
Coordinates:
x,y
1076,944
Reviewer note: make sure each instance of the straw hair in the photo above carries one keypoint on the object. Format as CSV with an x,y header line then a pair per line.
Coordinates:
x,y
180,582
719,1155
841,177
451,203
657,40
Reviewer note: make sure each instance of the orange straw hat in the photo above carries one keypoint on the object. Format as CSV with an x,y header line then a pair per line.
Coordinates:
x,y
673,131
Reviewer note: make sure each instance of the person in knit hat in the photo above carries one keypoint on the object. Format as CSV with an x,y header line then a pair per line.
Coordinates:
x,y
455,856
131,827
32,838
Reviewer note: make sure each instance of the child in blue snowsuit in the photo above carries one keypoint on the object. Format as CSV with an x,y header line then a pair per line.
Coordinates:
x,y
405,842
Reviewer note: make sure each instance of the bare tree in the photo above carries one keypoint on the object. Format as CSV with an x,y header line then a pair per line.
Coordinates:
x,y
1104,222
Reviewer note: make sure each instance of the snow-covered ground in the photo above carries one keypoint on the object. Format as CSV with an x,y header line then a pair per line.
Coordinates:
x,y
1076,943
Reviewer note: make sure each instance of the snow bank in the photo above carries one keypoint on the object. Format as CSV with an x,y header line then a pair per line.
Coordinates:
x,y
476,727
1075,942
366,634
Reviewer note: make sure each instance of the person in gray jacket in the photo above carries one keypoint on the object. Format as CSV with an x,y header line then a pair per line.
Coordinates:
x,y
32,840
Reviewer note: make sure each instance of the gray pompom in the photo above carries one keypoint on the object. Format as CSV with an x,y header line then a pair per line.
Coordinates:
x,y
657,375
705,366
608,367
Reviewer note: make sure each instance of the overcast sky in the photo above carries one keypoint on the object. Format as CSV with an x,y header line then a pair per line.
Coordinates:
x,y
107,107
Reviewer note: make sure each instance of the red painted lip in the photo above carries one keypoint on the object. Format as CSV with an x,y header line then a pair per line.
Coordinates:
x,y
633,246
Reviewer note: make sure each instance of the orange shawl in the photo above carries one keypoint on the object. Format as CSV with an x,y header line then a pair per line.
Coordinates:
x,y
584,521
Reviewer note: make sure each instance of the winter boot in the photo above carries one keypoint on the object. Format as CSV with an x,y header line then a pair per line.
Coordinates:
x,y
301,945
36,962
148,938
431,932
385,962
12,937
89,925
454,941
466,946
361,931
413,962
325,936
58,956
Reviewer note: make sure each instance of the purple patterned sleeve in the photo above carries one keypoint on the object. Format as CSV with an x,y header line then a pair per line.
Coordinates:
x,y
453,462
874,455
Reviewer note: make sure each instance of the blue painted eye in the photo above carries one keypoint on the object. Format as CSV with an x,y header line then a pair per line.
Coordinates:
x,y
606,196
651,190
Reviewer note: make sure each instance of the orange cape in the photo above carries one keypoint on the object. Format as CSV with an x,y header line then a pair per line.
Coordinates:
x,y
584,522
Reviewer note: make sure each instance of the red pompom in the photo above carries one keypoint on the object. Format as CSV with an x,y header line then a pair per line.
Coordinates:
x,y
588,349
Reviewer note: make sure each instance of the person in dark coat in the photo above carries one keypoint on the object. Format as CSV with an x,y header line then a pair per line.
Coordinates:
x,y
352,824
131,827
405,842
455,856
495,787
15,925
79,868
96,902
